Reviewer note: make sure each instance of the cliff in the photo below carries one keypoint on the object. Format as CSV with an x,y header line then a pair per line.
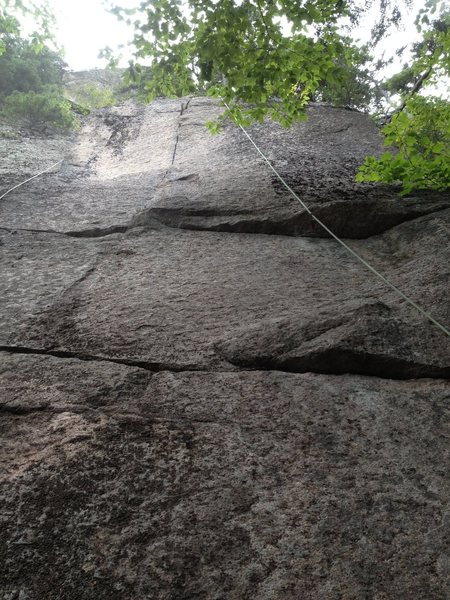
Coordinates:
x,y
203,394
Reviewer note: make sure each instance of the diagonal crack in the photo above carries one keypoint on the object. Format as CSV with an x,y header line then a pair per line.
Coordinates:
x,y
175,148
95,232
184,108
152,366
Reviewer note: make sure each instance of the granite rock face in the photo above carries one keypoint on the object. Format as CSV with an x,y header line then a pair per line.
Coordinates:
x,y
202,399
109,172
220,485
224,185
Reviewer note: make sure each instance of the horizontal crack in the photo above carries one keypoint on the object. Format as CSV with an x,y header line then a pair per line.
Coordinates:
x,y
22,410
345,128
167,217
16,229
338,361
245,221
84,233
181,420
97,232
154,367
393,372
111,410
158,367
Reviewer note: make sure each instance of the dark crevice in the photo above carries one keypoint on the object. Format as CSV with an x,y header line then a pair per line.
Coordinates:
x,y
154,367
372,340
24,410
184,108
298,224
20,410
16,229
120,134
342,129
347,362
97,232
175,148
334,363
190,177
292,224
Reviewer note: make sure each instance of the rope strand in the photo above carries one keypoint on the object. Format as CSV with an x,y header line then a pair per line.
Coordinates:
x,y
29,179
409,300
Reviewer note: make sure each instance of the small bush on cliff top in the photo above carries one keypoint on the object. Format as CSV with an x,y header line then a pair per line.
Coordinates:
x,y
91,96
31,74
45,107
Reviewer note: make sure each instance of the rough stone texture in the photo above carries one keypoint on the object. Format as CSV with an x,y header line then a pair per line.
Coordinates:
x,y
225,186
171,299
416,257
58,385
111,171
372,339
36,269
311,488
132,166
221,415
165,297
22,156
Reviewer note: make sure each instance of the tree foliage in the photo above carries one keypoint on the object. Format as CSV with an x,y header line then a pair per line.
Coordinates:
x,y
271,57
419,130
355,87
24,69
37,12
46,107
263,58
421,136
31,73
90,96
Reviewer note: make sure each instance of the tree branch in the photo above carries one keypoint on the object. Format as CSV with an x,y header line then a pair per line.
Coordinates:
x,y
416,88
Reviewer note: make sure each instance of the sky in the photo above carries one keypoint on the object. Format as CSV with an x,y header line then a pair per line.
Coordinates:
x,y
84,27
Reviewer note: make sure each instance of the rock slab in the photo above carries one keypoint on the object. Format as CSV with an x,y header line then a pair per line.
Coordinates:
x,y
119,484
203,397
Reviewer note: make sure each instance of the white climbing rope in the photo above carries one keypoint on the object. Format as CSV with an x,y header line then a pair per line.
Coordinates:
x,y
409,300
30,178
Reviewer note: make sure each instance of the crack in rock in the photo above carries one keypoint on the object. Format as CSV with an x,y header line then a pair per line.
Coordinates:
x,y
357,219
153,367
184,108
277,433
371,340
